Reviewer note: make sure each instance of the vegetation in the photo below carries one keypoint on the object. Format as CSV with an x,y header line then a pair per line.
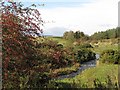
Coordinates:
x,y
75,35
108,34
27,62
110,56
61,40
104,44
52,53
33,62
85,45
85,55
103,76
64,71
19,58
99,77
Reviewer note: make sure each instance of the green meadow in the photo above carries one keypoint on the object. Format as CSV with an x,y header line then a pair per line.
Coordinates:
x,y
102,73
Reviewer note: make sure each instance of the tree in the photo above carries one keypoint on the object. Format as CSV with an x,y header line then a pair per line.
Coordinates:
x,y
108,34
77,35
19,25
69,35
65,35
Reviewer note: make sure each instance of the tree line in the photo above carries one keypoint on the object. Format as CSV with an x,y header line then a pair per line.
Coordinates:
x,y
70,35
108,34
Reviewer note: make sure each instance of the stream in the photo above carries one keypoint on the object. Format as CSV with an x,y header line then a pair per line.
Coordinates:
x,y
85,65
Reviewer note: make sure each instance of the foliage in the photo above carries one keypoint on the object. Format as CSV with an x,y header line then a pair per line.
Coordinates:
x,y
108,34
78,35
53,53
102,76
69,35
105,44
19,25
74,35
27,63
110,56
84,55
65,70
97,84
61,40
86,45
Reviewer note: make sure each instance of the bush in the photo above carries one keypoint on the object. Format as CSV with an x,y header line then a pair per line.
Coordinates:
x,y
53,53
86,45
76,84
110,56
84,55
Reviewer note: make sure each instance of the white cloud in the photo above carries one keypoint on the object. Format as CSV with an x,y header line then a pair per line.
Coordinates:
x,y
91,17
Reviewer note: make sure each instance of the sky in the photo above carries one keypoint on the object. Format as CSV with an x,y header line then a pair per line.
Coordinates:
x,y
88,16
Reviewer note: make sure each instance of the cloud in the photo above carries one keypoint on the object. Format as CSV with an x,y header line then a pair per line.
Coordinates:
x,y
91,17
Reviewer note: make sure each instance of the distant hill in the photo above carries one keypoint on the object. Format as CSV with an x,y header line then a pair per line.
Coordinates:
x,y
48,35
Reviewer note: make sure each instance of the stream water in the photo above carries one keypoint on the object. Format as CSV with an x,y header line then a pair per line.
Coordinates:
x,y
86,65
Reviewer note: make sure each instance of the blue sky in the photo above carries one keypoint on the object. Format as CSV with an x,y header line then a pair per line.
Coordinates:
x,y
60,3
88,16
55,0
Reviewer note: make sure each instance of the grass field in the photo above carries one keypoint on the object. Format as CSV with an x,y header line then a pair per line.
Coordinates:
x,y
106,44
88,76
103,45
101,48
62,41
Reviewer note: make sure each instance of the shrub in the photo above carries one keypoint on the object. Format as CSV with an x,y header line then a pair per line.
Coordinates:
x,y
53,53
110,56
86,45
84,55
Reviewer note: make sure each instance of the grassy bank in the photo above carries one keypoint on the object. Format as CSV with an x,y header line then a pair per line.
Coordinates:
x,y
105,45
64,71
62,41
87,77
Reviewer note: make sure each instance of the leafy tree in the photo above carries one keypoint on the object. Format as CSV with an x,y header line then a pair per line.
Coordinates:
x,y
69,35
74,35
65,35
19,25
77,35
